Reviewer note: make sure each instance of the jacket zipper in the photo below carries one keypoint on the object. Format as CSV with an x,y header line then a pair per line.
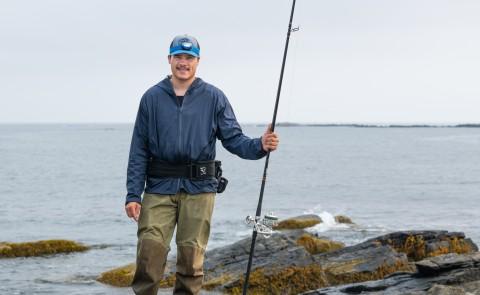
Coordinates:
x,y
180,114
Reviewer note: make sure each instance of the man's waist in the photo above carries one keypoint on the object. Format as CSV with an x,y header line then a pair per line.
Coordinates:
x,y
198,170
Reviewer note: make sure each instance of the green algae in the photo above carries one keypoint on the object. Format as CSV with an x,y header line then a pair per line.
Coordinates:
x,y
39,248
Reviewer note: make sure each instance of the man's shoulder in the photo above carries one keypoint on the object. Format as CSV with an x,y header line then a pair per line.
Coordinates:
x,y
214,90
155,91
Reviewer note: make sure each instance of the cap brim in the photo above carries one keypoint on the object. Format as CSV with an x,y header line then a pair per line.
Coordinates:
x,y
186,52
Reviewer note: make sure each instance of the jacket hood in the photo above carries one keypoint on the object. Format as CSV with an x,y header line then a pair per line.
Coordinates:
x,y
166,85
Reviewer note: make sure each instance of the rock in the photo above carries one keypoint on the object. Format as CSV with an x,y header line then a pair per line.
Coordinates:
x,y
315,245
293,261
118,277
123,276
299,222
4,248
435,265
362,263
452,273
278,259
280,267
421,244
472,287
289,280
446,290
343,219
39,248
283,267
369,287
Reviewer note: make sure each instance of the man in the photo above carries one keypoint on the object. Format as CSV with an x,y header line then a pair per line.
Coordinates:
x,y
173,151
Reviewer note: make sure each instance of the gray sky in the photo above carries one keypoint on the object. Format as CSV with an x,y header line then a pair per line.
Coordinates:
x,y
374,61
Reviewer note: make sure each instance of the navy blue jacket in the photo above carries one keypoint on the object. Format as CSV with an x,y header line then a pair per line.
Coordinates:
x,y
184,133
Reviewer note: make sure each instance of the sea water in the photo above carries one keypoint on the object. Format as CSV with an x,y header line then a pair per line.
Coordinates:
x,y
64,181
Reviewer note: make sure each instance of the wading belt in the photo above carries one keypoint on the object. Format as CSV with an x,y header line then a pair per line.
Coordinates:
x,y
193,171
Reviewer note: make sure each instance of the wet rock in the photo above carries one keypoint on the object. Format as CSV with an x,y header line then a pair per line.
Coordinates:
x,y
289,262
436,265
281,266
343,219
299,222
455,273
273,254
307,220
123,276
446,290
39,248
288,280
315,245
362,263
421,244
118,277
472,287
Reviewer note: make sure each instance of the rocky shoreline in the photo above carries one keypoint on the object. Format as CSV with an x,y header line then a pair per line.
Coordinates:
x,y
293,261
447,274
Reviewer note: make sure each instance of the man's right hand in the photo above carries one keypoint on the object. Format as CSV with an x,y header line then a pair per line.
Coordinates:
x,y
133,210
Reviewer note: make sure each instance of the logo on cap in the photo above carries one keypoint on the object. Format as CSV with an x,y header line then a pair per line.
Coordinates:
x,y
185,44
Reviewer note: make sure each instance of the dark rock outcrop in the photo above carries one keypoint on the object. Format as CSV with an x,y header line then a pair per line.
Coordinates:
x,y
445,274
421,244
295,261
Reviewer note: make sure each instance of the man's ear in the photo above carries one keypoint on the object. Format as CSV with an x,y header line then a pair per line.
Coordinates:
x,y
169,57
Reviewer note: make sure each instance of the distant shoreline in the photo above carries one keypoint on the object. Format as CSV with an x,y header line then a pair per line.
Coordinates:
x,y
468,125
280,124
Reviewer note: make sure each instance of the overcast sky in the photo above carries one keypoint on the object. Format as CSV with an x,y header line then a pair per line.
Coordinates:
x,y
375,61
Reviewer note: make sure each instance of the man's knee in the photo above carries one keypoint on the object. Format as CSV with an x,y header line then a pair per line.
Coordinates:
x,y
151,258
190,260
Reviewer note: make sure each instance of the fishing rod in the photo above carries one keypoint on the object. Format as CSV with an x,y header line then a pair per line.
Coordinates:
x,y
263,226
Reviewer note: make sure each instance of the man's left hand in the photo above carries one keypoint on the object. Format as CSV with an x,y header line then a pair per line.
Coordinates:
x,y
270,140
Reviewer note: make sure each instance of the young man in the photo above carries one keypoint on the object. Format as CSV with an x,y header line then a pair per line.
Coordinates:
x,y
173,152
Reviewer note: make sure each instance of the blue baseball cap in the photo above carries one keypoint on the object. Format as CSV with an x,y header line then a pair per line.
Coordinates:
x,y
185,44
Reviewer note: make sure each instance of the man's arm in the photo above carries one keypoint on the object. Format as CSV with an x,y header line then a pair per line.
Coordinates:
x,y
233,139
139,155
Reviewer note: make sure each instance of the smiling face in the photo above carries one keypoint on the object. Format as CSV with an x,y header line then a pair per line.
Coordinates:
x,y
183,66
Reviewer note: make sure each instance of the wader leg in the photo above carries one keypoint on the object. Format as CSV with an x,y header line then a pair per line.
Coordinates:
x,y
193,230
150,267
189,276
155,229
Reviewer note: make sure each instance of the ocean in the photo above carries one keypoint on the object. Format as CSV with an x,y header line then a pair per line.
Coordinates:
x,y
67,181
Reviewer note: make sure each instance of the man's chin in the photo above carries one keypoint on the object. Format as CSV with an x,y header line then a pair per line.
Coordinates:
x,y
183,77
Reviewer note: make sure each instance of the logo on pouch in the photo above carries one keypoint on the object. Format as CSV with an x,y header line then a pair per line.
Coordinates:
x,y
203,170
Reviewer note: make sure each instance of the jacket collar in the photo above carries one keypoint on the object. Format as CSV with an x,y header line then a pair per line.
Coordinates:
x,y
166,85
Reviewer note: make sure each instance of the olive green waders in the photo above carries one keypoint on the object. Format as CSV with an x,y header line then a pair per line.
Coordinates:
x,y
158,217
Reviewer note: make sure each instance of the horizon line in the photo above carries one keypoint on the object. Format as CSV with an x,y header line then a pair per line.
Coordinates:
x,y
263,123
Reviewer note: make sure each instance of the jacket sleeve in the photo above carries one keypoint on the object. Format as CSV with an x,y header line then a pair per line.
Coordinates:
x,y
139,155
231,135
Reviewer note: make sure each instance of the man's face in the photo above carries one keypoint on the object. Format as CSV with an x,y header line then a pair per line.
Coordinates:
x,y
183,66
